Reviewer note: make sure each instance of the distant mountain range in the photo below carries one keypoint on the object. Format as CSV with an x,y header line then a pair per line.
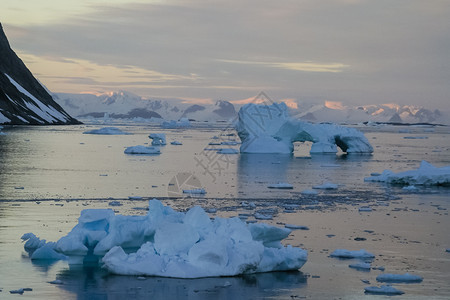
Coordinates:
x,y
23,100
124,104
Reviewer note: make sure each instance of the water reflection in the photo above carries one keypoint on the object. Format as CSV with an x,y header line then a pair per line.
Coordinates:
x,y
95,283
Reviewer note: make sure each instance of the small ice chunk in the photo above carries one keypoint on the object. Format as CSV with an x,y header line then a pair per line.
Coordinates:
x,y
195,191
410,188
176,143
56,281
383,290
399,278
309,192
360,266
135,197
300,227
343,253
365,209
260,216
326,186
142,150
281,185
107,131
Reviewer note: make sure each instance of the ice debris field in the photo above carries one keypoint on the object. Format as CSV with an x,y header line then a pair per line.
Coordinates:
x,y
171,244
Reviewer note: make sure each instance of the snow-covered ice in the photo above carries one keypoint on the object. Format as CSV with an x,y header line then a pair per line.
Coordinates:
x,y
158,139
426,174
343,253
281,185
398,278
383,290
142,150
269,129
107,131
177,244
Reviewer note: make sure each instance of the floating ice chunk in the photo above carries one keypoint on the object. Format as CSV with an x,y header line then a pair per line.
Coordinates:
x,y
360,266
158,139
365,209
326,186
135,197
281,185
228,151
56,281
107,131
260,216
292,226
343,253
399,278
269,129
426,174
176,143
309,192
383,290
194,191
142,150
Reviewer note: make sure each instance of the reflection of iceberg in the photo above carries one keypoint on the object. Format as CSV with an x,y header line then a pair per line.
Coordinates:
x,y
269,129
95,283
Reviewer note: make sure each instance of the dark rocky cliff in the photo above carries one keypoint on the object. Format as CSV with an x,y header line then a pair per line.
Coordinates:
x,y
23,100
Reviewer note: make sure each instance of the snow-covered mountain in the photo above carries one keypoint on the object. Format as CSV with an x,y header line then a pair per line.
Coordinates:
x,y
124,104
385,113
23,99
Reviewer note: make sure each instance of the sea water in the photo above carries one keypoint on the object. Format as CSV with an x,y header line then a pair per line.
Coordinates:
x,y
48,174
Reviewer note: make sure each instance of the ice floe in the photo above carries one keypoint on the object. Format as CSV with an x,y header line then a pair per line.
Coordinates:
x,y
383,290
176,244
360,266
172,124
195,191
142,150
343,253
399,278
269,129
426,174
107,131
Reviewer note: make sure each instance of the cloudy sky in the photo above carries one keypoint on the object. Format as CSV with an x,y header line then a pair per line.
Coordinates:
x,y
353,51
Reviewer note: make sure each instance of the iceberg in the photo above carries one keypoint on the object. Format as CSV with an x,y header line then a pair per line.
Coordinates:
x,y
426,174
168,243
158,139
269,129
107,131
142,150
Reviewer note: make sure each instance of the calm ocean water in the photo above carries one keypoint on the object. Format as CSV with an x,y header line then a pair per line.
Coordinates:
x,y
49,174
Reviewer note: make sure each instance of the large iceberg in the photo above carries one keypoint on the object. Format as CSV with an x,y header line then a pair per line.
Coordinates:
x,y
176,244
269,129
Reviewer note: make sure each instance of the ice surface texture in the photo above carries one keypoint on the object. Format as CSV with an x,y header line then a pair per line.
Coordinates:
x,y
269,129
175,244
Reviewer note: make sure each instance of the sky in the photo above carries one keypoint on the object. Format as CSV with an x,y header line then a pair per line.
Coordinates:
x,y
356,52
